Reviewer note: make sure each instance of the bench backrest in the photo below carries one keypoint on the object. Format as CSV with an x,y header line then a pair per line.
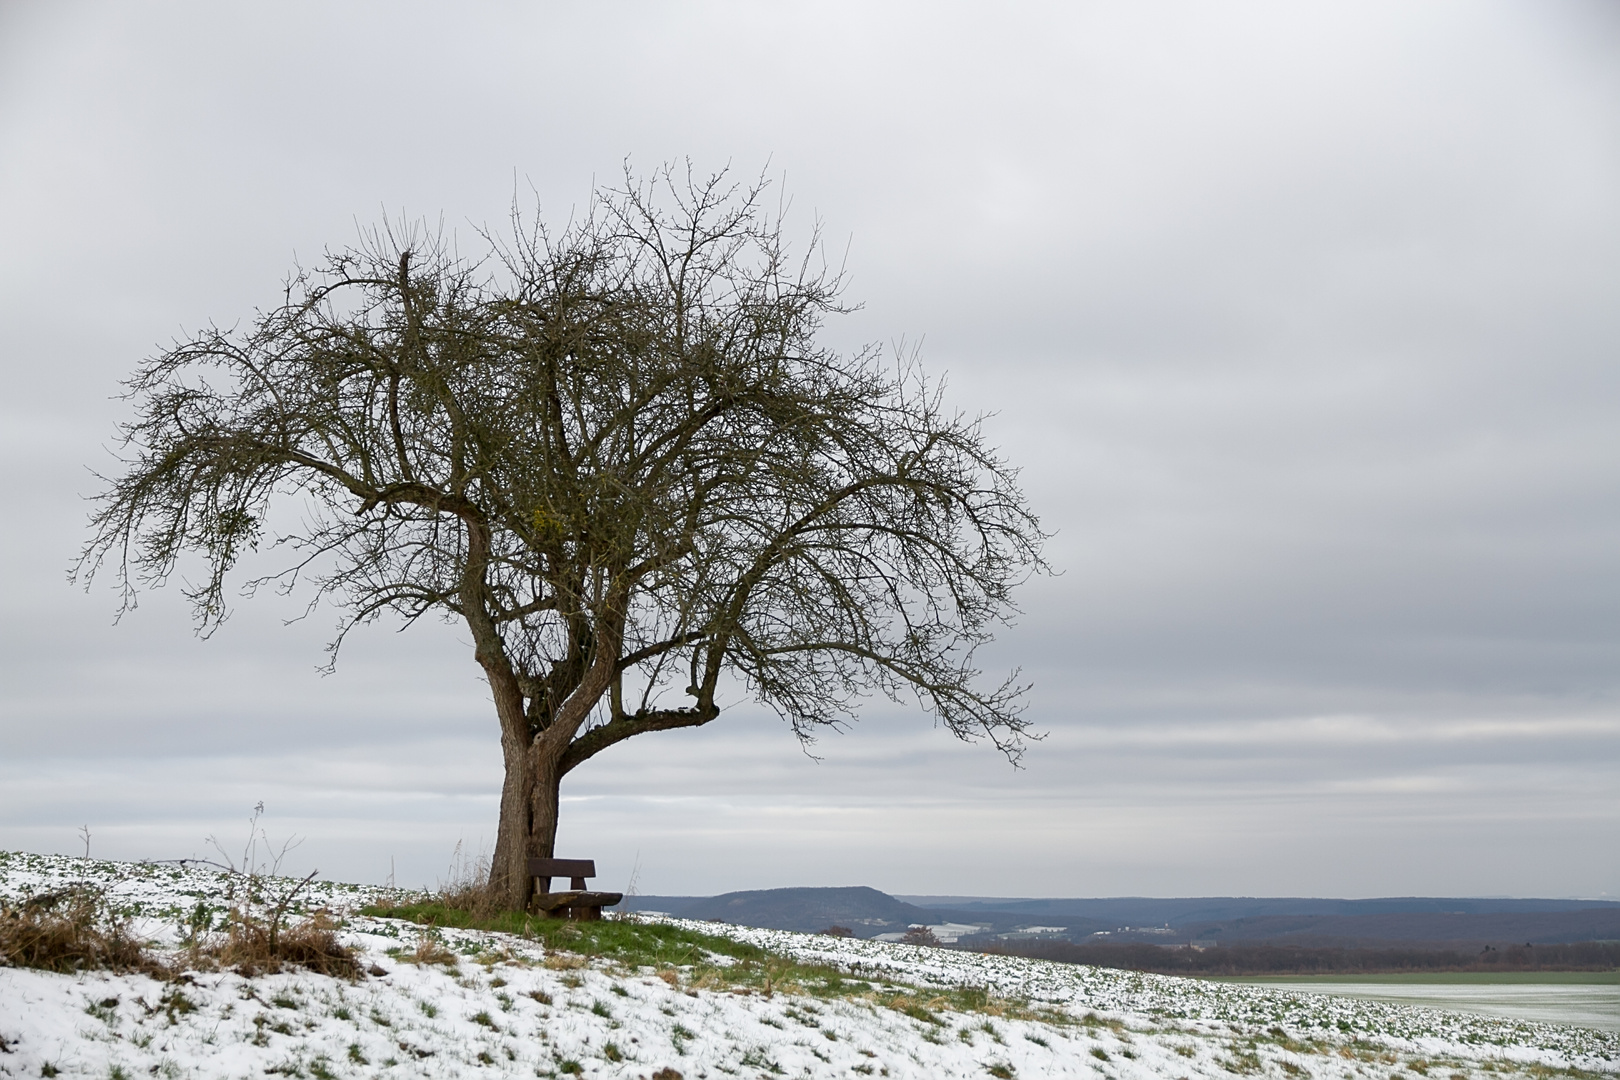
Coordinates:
x,y
577,870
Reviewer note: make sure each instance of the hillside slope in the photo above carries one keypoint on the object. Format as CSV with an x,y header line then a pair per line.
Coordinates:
x,y
451,1003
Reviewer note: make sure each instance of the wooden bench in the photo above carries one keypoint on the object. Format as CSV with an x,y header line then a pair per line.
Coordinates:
x,y
577,902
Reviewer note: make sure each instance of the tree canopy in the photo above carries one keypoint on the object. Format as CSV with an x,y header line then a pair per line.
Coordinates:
x,y
619,454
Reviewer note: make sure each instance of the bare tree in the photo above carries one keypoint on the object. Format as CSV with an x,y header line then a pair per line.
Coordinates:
x,y
618,453
920,935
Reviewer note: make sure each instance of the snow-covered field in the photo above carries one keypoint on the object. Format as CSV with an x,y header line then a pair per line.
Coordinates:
x,y
508,1006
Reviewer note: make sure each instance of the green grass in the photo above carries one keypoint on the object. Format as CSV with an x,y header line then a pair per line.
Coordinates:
x,y
658,945
631,943
1446,978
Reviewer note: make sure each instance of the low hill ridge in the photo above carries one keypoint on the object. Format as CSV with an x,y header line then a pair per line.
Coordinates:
x,y
860,908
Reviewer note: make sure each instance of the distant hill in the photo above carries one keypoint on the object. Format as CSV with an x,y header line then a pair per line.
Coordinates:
x,y
1474,928
1154,911
1311,921
1238,958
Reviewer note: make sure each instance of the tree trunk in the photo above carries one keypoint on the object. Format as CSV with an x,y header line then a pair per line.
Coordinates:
x,y
509,871
545,785
528,825
529,792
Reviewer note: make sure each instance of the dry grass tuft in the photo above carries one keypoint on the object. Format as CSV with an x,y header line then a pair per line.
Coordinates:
x,y
254,944
467,888
564,962
71,930
430,950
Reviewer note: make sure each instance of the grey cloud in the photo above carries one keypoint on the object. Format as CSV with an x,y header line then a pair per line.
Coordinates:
x,y
1299,321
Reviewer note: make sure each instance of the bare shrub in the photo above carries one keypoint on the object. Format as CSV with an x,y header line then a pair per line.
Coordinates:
x,y
72,929
256,936
838,931
920,935
256,942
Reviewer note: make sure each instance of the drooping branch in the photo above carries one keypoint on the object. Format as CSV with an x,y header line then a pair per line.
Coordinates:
x,y
620,728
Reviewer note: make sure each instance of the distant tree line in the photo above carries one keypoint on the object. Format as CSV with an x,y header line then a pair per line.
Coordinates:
x,y
1295,960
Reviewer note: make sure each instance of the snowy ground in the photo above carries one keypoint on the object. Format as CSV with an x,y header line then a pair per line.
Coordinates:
x,y
509,1007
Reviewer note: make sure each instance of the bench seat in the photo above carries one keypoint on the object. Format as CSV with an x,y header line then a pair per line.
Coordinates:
x,y
574,904
578,902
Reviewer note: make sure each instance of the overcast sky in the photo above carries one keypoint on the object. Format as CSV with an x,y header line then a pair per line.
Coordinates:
x,y
1302,320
